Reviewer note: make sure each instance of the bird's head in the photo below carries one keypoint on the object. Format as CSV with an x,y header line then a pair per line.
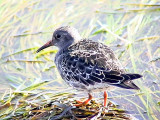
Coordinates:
x,y
62,37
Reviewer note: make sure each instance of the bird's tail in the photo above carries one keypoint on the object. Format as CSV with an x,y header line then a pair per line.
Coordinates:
x,y
128,83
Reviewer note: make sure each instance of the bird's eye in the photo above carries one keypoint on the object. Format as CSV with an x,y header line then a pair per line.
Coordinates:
x,y
58,36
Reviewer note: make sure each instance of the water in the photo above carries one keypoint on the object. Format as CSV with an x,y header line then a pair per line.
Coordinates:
x,y
25,26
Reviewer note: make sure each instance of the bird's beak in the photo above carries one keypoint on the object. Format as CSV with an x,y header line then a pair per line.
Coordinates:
x,y
48,44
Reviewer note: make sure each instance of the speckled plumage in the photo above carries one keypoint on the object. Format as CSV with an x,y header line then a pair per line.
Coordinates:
x,y
88,65
92,66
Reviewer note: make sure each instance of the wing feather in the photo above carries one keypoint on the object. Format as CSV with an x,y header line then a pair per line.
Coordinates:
x,y
89,62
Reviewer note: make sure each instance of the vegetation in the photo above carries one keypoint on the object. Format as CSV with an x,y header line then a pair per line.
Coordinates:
x,y
30,86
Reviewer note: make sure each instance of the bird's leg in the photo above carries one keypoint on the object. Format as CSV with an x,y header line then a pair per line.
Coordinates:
x,y
85,102
105,98
78,101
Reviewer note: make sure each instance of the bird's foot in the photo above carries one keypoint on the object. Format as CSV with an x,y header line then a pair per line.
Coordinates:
x,y
82,103
78,101
85,102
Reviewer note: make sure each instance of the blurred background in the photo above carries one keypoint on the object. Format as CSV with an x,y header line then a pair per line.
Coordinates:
x,y
130,28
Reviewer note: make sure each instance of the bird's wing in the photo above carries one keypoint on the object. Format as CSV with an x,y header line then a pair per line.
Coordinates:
x,y
98,54
89,73
77,69
92,64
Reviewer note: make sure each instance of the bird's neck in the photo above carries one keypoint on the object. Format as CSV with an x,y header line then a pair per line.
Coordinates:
x,y
65,46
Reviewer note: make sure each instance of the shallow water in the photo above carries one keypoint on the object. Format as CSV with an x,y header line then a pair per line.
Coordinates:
x,y
26,25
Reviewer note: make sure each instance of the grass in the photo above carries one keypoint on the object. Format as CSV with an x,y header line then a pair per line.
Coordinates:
x,y
29,80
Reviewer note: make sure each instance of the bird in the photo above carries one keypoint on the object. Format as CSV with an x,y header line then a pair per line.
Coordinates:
x,y
87,65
